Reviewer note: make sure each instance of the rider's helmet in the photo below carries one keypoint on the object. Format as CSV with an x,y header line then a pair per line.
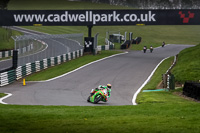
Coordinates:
x,y
109,86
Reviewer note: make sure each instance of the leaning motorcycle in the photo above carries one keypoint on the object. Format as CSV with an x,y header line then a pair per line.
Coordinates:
x,y
98,95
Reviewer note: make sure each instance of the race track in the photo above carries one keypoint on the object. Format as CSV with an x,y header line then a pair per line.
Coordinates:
x,y
126,73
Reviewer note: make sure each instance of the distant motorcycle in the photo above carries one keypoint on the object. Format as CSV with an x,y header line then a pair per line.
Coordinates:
x,y
98,95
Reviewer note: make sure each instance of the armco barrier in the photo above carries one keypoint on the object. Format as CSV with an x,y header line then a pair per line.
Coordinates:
x,y
109,45
192,89
22,71
105,47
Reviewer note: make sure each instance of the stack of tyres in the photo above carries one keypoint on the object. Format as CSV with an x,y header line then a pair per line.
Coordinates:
x,y
126,44
137,40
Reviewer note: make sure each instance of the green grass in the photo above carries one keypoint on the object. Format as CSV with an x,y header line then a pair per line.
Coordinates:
x,y
5,58
151,35
187,67
2,94
149,118
68,66
6,42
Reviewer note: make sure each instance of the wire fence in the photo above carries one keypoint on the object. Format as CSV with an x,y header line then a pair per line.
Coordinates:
x,y
33,48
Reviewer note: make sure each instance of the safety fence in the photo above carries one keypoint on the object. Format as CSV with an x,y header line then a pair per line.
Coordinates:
x,y
46,46
22,71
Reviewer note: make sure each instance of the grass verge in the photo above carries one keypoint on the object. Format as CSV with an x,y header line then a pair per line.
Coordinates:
x,y
68,66
2,95
169,118
157,76
7,43
187,67
151,35
162,96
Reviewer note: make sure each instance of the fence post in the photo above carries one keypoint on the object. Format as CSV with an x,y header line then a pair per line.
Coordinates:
x,y
15,59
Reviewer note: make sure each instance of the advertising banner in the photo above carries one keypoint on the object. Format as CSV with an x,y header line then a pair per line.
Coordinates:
x,y
98,17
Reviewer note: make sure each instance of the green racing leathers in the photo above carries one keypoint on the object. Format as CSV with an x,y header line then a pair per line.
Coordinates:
x,y
99,94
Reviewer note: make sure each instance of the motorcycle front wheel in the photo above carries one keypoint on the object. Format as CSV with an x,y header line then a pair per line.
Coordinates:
x,y
88,100
97,99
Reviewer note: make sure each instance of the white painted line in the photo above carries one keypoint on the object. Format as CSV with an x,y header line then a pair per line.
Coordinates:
x,y
1,99
172,64
80,67
46,46
5,60
138,91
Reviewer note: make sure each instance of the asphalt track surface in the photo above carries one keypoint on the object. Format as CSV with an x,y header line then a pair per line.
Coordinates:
x,y
54,48
126,73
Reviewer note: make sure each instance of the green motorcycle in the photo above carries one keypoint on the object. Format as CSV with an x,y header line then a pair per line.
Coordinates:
x,y
98,95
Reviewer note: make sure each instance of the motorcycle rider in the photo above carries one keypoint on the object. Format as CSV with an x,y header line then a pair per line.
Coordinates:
x,y
108,88
163,44
144,49
151,49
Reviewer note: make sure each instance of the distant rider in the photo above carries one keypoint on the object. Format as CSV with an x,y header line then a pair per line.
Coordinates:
x,y
144,49
163,44
151,49
108,88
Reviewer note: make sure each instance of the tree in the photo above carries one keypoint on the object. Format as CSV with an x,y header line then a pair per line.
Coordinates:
x,y
153,4
3,4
